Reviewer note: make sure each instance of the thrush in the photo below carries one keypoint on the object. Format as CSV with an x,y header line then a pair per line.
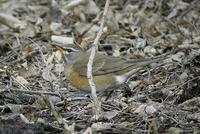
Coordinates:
x,y
108,72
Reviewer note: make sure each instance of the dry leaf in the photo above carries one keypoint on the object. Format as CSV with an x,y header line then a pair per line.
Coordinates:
x,y
62,39
58,56
48,75
21,80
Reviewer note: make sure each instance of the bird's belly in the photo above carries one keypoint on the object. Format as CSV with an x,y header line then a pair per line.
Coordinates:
x,y
120,79
102,82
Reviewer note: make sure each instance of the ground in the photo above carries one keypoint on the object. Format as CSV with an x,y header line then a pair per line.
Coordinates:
x,y
36,37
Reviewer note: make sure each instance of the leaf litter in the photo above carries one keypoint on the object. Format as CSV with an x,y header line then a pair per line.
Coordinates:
x,y
35,94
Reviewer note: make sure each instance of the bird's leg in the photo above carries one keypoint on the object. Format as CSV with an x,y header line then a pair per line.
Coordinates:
x,y
108,94
126,90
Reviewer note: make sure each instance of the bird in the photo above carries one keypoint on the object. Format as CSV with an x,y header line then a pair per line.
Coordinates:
x,y
108,72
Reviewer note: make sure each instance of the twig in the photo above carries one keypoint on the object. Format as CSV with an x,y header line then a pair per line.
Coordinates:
x,y
88,27
88,131
39,49
191,6
74,3
29,92
58,117
23,57
97,107
21,84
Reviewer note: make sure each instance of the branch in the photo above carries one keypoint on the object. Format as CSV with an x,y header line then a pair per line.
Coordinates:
x,y
90,63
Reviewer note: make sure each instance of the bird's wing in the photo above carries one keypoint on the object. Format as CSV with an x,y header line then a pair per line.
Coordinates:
x,y
102,65
108,64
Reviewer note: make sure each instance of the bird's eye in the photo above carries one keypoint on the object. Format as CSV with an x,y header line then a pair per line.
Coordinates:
x,y
69,50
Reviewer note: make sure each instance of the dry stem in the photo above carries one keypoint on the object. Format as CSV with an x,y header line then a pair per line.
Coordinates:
x,y
97,103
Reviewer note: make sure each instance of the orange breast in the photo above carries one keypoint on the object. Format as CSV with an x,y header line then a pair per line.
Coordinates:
x,y
78,81
102,82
